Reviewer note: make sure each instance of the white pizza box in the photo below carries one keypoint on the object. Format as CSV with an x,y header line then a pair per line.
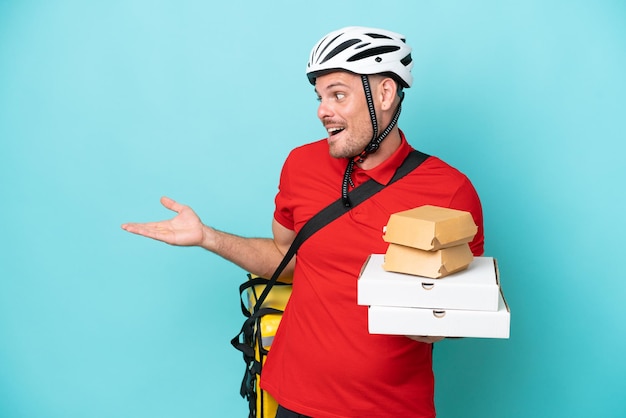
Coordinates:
x,y
393,320
475,288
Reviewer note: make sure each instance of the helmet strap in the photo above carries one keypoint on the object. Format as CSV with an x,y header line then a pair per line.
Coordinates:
x,y
373,145
370,106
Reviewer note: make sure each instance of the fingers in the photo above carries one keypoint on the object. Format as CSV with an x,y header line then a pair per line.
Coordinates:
x,y
168,230
425,339
146,228
139,229
152,230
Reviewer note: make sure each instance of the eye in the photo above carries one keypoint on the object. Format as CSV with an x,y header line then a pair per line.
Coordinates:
x,y
339,96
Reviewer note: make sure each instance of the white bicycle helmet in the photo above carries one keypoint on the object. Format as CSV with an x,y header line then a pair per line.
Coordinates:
x,y
362,50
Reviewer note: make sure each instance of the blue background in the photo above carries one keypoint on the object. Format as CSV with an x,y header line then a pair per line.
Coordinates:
x,y
106,106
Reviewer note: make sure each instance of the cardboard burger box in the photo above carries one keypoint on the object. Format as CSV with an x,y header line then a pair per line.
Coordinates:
x,y
430,228
476,288
434,264
392,320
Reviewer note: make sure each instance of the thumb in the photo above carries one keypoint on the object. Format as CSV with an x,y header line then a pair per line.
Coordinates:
x,y
171,204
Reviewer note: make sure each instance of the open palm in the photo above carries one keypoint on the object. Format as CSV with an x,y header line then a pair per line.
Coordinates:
x,y
185,229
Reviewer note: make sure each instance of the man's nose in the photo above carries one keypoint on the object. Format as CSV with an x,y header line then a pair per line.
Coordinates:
x,y
324,110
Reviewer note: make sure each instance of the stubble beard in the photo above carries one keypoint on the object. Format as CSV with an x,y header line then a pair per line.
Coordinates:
x,y
347,147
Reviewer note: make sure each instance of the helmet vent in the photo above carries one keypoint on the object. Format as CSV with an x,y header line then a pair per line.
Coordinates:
x,y
325,46
378,36
340,48
373,52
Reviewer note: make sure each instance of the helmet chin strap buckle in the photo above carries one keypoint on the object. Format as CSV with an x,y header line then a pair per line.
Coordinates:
x,y
370,149
361,157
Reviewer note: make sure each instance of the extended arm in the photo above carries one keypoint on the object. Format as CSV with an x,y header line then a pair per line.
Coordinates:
x,y
259,256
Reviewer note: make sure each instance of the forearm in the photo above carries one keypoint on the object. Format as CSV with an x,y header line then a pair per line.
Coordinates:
x,y
259,256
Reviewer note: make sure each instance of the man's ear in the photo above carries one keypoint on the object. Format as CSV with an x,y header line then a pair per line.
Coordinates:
x,y
388,93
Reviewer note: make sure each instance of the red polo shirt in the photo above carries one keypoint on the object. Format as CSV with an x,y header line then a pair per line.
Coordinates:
x,y
323,361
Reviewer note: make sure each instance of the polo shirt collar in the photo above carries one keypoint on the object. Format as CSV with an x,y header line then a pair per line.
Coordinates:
x,y
383,173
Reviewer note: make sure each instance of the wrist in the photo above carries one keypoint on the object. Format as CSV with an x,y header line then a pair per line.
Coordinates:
x,y
209,238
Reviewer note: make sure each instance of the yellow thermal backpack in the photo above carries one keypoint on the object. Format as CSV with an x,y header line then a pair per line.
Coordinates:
x,y
258,335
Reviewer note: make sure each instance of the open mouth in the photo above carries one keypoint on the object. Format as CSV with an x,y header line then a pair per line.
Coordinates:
x,y
334,131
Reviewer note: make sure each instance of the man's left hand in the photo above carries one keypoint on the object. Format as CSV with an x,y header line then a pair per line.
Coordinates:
x,y
425,339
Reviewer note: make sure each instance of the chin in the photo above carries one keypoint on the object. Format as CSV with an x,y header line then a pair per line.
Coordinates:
x,y
343,148
338,153
334,154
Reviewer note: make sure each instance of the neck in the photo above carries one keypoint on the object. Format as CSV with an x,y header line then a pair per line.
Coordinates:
x,y
387,148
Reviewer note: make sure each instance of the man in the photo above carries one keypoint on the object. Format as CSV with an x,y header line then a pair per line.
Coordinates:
x,y
323,362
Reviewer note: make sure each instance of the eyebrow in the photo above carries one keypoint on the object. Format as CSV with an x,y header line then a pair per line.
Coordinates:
x,y
333,85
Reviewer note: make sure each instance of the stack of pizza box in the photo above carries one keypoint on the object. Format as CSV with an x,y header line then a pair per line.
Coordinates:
x,y
428,283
